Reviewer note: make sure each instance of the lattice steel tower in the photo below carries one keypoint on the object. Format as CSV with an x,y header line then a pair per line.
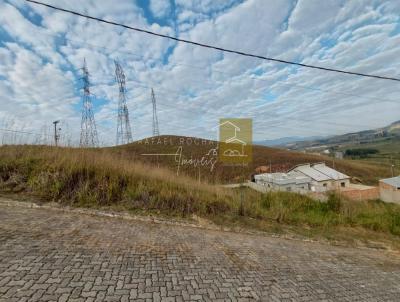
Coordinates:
x,y
124,133
156,131
89,136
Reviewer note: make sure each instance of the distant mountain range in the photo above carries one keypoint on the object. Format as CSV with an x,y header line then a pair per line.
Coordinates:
x,y
283,141
367,136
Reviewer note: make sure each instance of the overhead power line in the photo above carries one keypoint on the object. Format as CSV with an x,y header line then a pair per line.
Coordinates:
x,y
24,132
201,68
214,47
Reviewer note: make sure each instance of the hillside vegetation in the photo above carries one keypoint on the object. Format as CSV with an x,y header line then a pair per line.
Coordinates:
x,y
388,133
388,153
385,140
102,179
279,160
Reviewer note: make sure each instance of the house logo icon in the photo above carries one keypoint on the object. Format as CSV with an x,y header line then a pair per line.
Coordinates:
x,y
235,137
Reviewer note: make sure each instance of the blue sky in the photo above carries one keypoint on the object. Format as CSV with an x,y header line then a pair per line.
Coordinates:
x,y
41,51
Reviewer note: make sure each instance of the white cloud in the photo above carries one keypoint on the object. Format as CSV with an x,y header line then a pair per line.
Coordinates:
x,y
195,86
160,8
313,15
205,6
35,92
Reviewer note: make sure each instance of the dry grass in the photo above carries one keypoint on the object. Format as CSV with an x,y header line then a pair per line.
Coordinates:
x,y
280,160
100,178
105,178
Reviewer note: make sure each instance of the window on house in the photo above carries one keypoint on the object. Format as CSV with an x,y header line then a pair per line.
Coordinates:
x,y
343,184
325,185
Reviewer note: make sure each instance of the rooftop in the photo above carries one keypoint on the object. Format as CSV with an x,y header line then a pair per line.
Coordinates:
x,y
284,178
394,181
319,172
332,173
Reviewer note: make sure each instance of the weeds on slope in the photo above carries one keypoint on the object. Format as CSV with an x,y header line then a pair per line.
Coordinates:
x,y
99,178
295,209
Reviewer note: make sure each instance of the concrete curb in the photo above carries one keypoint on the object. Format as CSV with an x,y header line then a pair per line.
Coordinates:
x,y
157,220
149,219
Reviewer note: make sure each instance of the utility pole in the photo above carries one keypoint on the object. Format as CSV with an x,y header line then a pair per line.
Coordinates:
x,y
392,165
156,131
56,135
89,136
124,132
241,205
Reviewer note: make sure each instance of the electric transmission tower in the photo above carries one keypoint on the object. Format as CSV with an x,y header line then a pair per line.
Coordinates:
x,y
124,133
89,136
156,131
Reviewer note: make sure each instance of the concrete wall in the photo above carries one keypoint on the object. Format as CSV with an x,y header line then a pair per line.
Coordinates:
x,y
330,185
266,186
258,187
389,193
350,191
304,188
292,188
318,186
346,181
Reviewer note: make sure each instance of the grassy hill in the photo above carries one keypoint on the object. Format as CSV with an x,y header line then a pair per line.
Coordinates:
x,y
279,160
388,133
388,152
385,140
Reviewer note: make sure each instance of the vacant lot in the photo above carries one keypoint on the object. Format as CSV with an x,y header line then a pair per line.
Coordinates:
x,y
103,179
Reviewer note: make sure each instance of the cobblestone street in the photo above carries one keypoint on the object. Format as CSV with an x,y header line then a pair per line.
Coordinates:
x,y
48,255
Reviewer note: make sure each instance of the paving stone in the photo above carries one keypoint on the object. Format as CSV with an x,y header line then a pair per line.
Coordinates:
x,y
48,255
